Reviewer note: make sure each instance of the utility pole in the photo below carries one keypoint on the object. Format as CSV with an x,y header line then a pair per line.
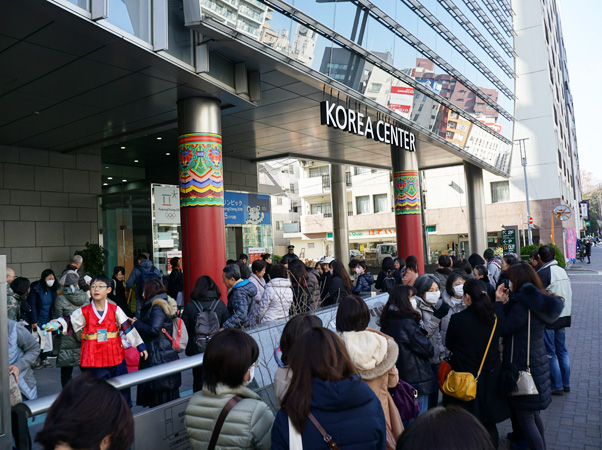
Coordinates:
x,y
523,156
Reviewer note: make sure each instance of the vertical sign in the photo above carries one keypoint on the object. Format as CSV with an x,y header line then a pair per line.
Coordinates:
x,y
571,244
167,204
510,240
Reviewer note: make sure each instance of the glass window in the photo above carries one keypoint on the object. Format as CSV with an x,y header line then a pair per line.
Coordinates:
x,y
363,204
133,17
380,203
321,208
311,245
279,200
179,42
500,191
279,224
375,87
316,172
84,4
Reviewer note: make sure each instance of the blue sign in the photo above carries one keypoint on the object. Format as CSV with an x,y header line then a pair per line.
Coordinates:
x,y
247,209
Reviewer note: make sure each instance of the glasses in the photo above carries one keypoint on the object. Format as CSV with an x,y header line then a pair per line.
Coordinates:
x,y
96,287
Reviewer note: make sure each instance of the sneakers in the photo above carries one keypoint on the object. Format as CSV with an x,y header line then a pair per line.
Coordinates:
x,y
38,365
557,392
45,364
566,389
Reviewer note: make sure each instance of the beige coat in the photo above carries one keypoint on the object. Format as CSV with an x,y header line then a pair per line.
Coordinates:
x,y
247,425
382,376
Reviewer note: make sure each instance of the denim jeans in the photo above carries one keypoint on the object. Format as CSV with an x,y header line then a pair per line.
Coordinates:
x,y
560,369
423,399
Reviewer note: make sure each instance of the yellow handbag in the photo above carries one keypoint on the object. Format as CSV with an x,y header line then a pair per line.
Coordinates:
x,y
463,385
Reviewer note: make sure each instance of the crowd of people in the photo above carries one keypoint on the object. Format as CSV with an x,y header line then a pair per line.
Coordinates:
x,y
496,318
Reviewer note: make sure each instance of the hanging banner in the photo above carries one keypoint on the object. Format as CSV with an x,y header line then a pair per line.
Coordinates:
x,y
571,243
167,204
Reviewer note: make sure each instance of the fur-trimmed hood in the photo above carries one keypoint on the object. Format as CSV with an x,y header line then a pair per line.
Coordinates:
x,y
546,307
168,305
373,353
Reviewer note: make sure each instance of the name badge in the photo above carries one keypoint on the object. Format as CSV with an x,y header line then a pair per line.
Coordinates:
x,y
101,335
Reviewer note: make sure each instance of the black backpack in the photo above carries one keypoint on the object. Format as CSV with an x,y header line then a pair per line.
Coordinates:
x,y
206,326
388,282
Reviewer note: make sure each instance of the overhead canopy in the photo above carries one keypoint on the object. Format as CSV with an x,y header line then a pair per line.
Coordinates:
x,y
70,84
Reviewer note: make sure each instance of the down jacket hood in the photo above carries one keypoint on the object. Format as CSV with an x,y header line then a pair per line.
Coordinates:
x,y
279,283
373,353
546,307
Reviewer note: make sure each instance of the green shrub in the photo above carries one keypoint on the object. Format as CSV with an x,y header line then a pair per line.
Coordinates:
x,y
276,259
95,258
526,251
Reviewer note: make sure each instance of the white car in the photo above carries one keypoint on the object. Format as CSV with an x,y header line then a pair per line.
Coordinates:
x,y
355,254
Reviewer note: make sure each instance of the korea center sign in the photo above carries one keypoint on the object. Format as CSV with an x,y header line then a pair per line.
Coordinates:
x,y
355,122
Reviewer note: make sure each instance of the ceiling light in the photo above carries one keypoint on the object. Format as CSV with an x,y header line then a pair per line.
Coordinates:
x,y
167,154
159,138
136,160
109,178
106,167
105,184
122,148
124,180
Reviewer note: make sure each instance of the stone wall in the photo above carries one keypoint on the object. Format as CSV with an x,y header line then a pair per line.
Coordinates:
x,y
48,207
240,175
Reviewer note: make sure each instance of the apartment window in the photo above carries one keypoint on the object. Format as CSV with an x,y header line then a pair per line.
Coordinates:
x,y
316,172
350,208
279,224
321,208
363,204
453,115
500,191
380,203
375,87
279,200
311,245
292,188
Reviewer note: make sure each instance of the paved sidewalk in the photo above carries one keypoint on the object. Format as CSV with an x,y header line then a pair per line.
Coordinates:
x,y
574,421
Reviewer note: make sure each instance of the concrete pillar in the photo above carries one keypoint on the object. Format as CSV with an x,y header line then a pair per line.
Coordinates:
x,y
475,200
408,214
201,191
338,200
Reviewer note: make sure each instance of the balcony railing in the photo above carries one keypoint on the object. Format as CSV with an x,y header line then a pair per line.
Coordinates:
x,y
292,227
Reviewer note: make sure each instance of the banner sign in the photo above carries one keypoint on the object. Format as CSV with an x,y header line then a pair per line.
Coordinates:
x,y
584,204
355,122
571,243
402,99
167,204
242,208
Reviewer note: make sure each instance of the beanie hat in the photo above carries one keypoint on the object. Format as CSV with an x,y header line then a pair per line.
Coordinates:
x,y
69,278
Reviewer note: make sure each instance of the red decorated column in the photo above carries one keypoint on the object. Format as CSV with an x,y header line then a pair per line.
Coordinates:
x,y
408,212
201,191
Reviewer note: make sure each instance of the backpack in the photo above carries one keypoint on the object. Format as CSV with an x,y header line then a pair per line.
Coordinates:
x,y
150,275
388,283
206,326
179,335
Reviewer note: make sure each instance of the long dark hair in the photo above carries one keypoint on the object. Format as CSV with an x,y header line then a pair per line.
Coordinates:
x,y
295,328
204,284
297,272
481,303
152,288
387,264
318,353
412,263
338,270
521,273
86,411
399,300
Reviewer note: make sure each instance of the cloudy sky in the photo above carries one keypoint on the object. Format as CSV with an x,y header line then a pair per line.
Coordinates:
x,y
582,31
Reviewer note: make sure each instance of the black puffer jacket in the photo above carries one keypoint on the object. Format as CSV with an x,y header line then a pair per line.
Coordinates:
x,y
513,318
336,291
414,351
158,313
191,312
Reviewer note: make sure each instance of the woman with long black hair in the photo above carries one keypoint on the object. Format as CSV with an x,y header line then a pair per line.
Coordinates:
x,y
468,335
339,286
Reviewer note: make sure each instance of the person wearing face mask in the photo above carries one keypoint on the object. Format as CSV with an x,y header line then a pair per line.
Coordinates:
x,y
228,367
428,294
365,280
41,298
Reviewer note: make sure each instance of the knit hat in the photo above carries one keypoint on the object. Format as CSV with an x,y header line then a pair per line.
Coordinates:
x,y
488,254
69,278
366,349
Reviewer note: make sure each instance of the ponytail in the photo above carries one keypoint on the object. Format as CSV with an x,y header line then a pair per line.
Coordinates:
x,y
481,303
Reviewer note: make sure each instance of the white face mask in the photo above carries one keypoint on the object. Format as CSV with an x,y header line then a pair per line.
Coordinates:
x,y
49,283
459,290
251,376
432,297
414,302
358,270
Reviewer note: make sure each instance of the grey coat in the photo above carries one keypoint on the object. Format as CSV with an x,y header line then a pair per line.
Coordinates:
x,y
28,350
70,344
247,426
433,333
442,324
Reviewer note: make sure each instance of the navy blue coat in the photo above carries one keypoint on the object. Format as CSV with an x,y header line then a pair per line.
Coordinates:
x,y
35,301
348,410
415,349
364,283
513,318
240,299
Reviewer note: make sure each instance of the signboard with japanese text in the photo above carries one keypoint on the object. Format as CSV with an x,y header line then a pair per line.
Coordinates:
x,y
571,243
510,241
241,208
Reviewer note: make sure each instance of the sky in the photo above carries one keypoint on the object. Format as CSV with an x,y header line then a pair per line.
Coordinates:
x,y
582,37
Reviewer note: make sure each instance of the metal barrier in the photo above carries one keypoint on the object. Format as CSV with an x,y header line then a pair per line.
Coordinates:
x,y
163,426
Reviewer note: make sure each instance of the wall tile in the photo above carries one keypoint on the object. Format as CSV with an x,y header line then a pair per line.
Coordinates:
x,y
19,234
34,157
28,255
55,199
76,181
19,176
48,179
34,213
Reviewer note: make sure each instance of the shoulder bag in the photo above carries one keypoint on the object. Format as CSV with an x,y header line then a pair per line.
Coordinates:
x,y
463,385
524,384
327,438
220,421
405,398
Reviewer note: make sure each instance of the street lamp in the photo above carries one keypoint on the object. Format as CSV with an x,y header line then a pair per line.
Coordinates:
x,y
523,157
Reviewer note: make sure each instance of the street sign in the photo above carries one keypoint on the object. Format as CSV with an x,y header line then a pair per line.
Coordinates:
x,y
562,212
530,220
587,224
509,240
